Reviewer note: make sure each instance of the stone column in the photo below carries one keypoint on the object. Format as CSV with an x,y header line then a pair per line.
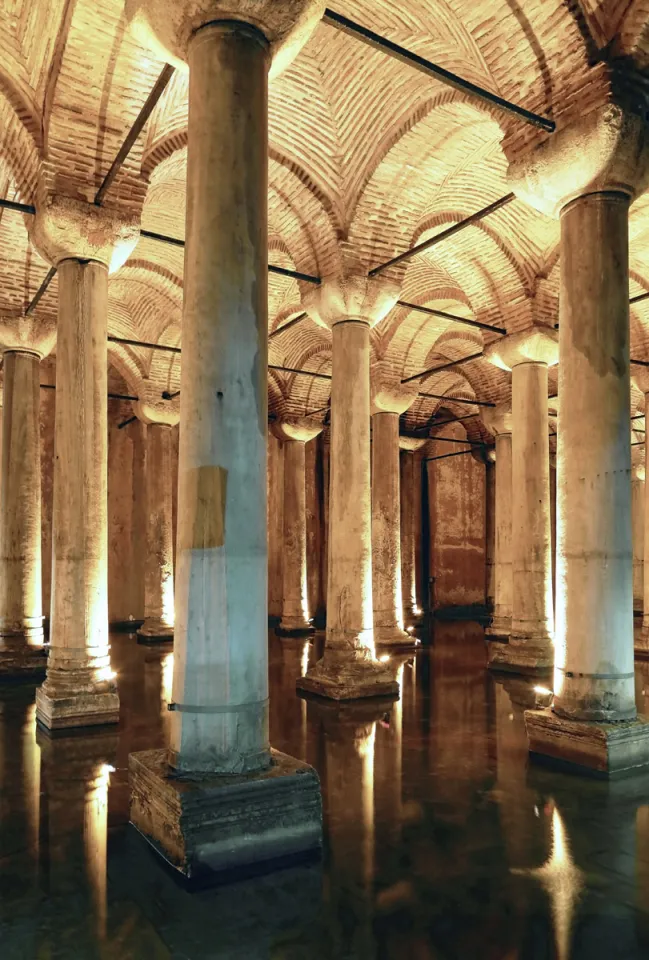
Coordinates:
x,y
593,718
528,355
638,523
410,532
82,241
21,611
246,802
296,617
389,401
160,416
642,643
349,306
499,421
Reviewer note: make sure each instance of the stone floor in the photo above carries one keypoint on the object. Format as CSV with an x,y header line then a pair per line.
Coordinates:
x,y
440,841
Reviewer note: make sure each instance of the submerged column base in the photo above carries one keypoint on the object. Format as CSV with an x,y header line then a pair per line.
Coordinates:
x,y
529,656
20,660
294,627
79,710
217,823
348,680
499,627
604,750
394,637
154,629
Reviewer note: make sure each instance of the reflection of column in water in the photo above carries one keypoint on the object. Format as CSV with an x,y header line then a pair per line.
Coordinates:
x,y
388,756
642,874
76,775
20,776
348,788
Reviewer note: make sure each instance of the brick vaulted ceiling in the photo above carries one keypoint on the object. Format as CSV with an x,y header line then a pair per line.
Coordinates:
x,y
367,157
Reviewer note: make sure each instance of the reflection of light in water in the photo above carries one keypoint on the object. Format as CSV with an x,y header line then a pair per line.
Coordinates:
x,y
32,777
366,753
305,658
168,608
304,668
167,676
563,881
95,830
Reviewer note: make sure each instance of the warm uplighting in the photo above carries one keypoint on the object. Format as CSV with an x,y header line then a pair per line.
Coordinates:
x,y
106,673
543,691
167,676
410,629
416,610
384,658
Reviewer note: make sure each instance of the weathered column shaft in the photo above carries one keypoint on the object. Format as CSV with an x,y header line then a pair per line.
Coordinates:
x,y
594,637
502,620
79,664
349,590
220,683
386,534
159,567
638,524
295,604
21,612
644,644
408,548
532,609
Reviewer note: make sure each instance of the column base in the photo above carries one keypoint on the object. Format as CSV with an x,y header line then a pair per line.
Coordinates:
x,y
499,627
218,823
154,630
351,680
19,661
81,710
294,627
604,750
522,656
393,637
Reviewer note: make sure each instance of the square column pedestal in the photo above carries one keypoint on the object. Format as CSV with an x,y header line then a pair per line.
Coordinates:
x,y
603,750
218,823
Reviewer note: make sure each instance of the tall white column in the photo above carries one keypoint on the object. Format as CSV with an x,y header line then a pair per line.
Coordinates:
x,y
296,616
349,306
592,721
21,608
220,685
82,241
410,527
528,355
499,421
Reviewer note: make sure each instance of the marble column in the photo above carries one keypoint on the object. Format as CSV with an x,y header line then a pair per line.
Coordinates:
x,y
593,722
389,401
296,618
21,609
638,524
410,529
219,728
349,306
160,416
82,241
528,355
499,421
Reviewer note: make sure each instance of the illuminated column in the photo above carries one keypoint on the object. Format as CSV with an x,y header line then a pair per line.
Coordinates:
x,y
528,355
642,643
349,306
21,609
389,400
594,670
410,471
82,241
638,522
296,617
219,721
499,421
160,416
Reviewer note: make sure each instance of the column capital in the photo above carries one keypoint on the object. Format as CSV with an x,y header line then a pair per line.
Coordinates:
x,y
166,26
152,408
604,151
388,394
535,345
65,228
22,334
351,297
302,429
498,419
412,444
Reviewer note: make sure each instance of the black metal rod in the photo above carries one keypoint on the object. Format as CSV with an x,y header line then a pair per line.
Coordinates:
x,y
640,363
444,366
111,396
125,423
49,276
285,326
445,234
639,298
472,443
638,443
170,396
451,316
445,456
432,69
144,343
135,131
469,403
161,238
307,373
18,207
